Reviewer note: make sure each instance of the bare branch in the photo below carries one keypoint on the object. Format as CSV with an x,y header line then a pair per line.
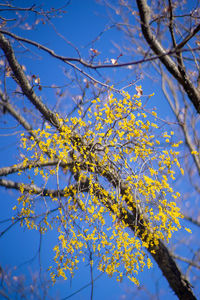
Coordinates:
x,y
188,37
16,114
24,83
195,222
181,66
186,260
67,59
183,125
192,92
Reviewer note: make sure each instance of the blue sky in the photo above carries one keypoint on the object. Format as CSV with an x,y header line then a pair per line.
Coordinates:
x,y
82,23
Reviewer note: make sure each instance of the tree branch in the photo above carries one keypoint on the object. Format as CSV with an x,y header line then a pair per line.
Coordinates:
x,y
22,80
161,254
67,59
30,164
190,219
186,260
192,92
188,37
183,125
16,114
9,184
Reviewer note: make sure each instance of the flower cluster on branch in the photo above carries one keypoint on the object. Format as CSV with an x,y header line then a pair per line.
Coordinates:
x,y
118,166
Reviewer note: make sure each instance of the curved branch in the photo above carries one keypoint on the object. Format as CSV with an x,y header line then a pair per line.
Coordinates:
x,y
24,83
16,114
192,92
69,60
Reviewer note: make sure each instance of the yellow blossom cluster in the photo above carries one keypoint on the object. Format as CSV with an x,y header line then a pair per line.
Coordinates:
x,y
112,171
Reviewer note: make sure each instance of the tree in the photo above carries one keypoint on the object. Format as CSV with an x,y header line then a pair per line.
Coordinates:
x,y
103,171
165,39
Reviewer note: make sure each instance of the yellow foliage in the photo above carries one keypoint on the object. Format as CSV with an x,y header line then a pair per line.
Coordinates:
x,y
121,180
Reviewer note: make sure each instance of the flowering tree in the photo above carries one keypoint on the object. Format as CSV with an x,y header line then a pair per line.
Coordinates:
x,y
164,43
101,177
